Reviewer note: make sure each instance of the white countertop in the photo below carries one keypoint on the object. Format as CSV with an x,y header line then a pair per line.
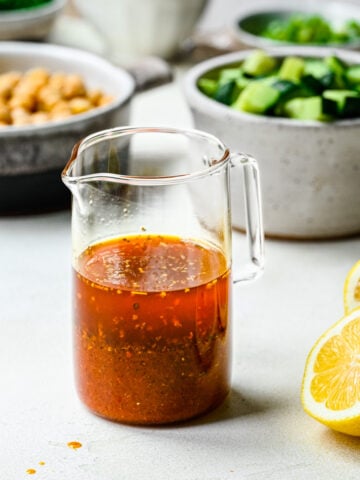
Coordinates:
x,y
260,432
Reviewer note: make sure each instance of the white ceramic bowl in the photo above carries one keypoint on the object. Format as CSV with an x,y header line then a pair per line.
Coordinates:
x,y
32,157
29,24
253,19
310,171
142,27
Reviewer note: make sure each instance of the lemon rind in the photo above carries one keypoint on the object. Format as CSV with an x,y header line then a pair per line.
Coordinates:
x,y
349,287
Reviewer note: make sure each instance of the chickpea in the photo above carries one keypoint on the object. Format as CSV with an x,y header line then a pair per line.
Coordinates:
x,y
61,106
47,98
20,121
57,81
79,105
7,82
60,115
60,110
4,114
94,96
105,100
24,100
24,86
73,87
39,118
20,116
37,77
30,83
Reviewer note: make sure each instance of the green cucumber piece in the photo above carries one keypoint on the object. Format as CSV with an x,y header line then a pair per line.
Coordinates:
x,y
304,108
285,87
259,64
329,107
318,85
228,74
336,65
328,80
339,68
339,96
289,90
242,82
316,68
347,102
257,97
292,69
312,84
351,107
353,75
226,93
207,86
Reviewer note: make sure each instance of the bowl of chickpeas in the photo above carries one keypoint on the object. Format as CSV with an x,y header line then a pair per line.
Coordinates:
x,y
51,97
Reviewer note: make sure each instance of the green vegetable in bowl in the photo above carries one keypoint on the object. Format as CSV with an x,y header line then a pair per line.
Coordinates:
x,y
310,29
303,88
20,4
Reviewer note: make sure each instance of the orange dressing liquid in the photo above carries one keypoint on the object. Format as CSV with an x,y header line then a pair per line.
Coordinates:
x,y
152,328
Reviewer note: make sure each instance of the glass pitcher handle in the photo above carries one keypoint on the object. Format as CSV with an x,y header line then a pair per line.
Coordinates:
x,y
253,216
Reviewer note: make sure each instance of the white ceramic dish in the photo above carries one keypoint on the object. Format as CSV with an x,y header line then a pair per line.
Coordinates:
x,y
252,20
310,171
29,24
142,27
32,157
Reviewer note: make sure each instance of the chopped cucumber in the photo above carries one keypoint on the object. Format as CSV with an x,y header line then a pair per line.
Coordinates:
x,y
329,107
207,86
292,69
353,75
312,84
306,28
339,95
342,98
328,80
304,108
259,64
351,107
227,92
338,67
257,97
285,87
316,68
228,74
242,82
307,89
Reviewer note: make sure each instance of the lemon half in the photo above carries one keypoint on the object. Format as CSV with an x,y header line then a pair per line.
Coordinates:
x,y
331,383
352,289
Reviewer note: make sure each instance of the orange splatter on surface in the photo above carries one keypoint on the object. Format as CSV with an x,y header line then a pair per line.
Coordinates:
x,y
41,463
30,471
74,445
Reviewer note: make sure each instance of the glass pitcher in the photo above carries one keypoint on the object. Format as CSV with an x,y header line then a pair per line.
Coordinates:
x,y
152,270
